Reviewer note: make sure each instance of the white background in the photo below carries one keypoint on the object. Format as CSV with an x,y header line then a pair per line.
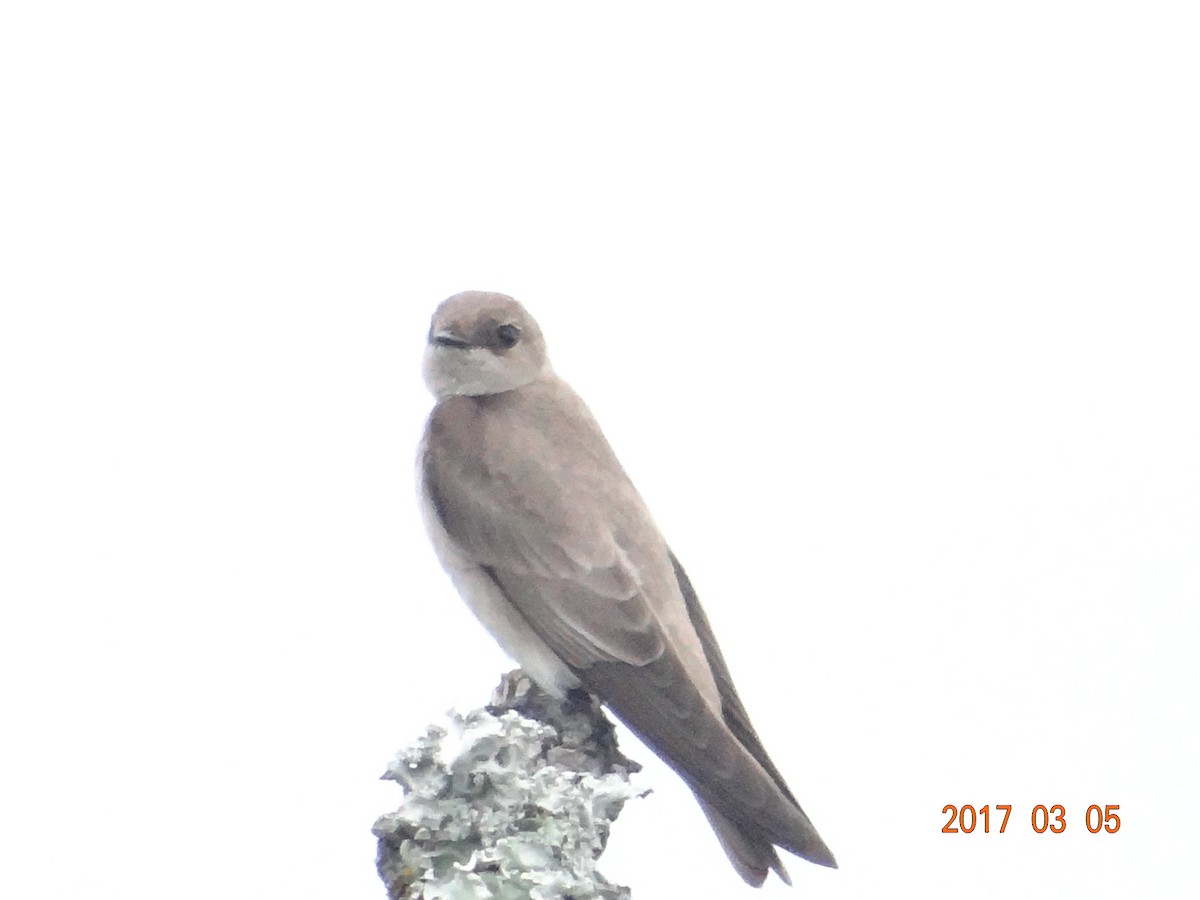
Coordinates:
x,y
889,309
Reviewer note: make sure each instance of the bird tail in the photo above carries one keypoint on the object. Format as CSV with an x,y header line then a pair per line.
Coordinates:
x,y
751,853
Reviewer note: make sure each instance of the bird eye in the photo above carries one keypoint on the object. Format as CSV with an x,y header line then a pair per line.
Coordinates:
x,y
508,335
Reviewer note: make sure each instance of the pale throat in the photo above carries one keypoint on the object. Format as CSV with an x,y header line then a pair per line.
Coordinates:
x,y
477,371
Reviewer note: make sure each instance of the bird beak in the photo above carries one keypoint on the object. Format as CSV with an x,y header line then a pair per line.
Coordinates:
x,y
446,338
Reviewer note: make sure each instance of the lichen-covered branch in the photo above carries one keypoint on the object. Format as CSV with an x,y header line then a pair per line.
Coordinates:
x,y
513,801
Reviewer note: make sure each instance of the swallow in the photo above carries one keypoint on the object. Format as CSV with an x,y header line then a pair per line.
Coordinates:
x,y
553,549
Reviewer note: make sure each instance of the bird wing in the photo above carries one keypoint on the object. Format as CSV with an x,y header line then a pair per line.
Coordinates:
x,y
529,491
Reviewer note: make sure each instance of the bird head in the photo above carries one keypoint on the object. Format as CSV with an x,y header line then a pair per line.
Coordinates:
x,y
482,343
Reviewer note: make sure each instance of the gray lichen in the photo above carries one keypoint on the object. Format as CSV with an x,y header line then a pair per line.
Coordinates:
x,y
513,801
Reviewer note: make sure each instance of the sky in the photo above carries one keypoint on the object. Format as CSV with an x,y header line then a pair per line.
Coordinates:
x,y
891,312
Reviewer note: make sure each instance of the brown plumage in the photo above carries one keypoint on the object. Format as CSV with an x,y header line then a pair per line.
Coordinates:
x,y
552,547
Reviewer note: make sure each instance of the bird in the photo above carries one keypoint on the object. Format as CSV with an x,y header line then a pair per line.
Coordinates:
x,y
546,539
